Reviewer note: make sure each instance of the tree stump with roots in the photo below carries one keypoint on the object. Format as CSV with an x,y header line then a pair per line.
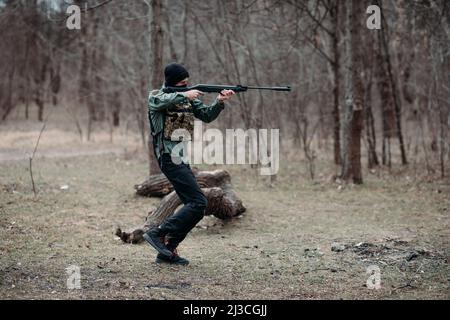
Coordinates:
x,y
223,202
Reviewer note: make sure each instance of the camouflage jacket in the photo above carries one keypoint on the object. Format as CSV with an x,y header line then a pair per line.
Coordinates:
x,y
158,105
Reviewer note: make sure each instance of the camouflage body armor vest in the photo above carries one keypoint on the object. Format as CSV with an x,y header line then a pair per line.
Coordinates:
x,y
180,116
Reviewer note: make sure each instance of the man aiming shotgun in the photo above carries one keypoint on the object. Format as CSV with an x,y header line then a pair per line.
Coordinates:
x,y
173,107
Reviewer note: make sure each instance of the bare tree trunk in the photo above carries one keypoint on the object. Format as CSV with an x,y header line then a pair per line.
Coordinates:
x,y
157,36
370,130
348,116
186,44
336,92
357,125
444,114
116,104
387,108
8,104
55,80
396,99
39,92
368,58
351,167
27,89
83,87
55,69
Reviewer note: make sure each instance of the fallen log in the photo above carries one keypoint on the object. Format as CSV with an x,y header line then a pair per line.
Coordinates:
x,y
223,202
158,185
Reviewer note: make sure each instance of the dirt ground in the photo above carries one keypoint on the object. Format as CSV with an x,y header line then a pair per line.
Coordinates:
x,y
298,239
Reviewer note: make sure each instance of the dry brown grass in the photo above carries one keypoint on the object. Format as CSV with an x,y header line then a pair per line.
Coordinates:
x,y
280,248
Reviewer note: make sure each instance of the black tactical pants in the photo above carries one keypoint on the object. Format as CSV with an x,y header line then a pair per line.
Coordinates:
x,y
177,226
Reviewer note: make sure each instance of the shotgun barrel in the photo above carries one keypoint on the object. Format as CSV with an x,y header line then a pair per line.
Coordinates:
x,y
218,88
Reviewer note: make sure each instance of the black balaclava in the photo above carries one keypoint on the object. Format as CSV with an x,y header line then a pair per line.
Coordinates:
x,y
174,73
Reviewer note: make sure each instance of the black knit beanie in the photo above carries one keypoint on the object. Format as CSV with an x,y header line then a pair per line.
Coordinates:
x,y
174,73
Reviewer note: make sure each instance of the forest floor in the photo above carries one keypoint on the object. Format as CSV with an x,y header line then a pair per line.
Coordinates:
x,y
281,248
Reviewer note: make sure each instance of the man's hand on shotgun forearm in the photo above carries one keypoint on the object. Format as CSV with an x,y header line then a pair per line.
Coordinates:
x,y
225,95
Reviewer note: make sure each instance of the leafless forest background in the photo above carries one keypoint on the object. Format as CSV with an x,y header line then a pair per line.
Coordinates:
x,y
360,97
364,154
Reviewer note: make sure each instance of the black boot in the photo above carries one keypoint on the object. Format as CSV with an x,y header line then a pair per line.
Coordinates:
x,y
174,259
155,237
